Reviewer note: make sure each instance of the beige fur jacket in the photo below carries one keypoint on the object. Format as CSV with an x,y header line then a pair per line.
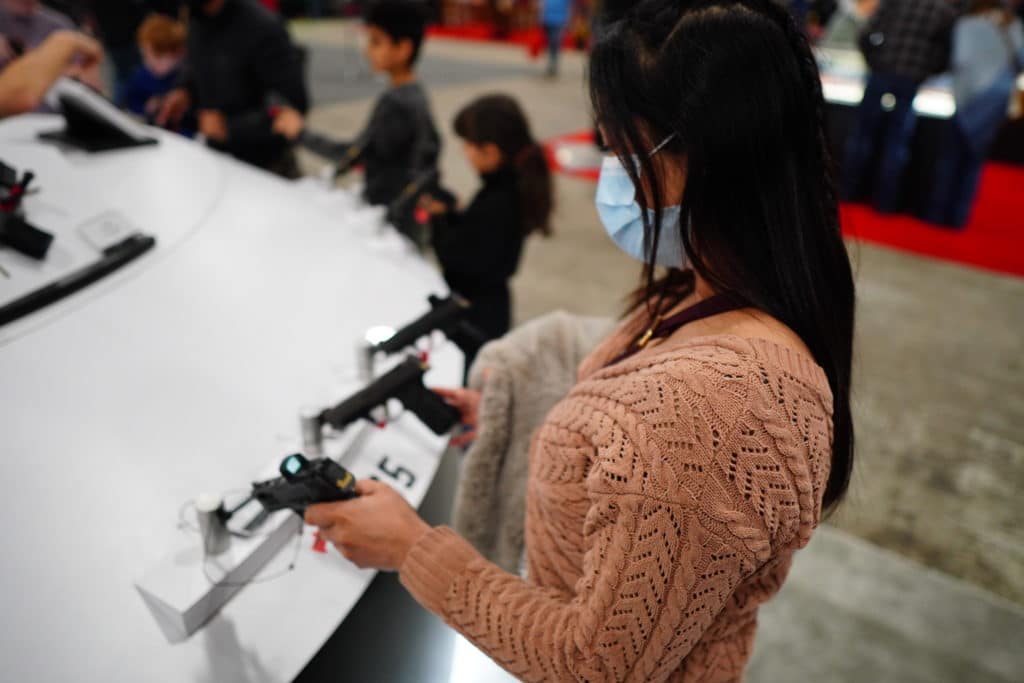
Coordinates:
x,y
528,372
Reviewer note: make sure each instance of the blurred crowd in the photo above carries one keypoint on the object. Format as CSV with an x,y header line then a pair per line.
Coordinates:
x,y
904,43
228,70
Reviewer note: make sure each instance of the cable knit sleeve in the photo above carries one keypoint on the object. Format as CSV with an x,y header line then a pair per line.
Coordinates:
x,y
673,523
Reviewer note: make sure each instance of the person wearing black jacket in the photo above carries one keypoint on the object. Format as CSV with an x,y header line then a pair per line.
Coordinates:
x,y
239,57
479,247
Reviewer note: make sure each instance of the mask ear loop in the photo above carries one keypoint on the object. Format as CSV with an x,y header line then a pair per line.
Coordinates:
x,y
650,155
661,145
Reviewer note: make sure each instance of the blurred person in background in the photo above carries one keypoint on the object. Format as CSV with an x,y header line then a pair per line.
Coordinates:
x,y
162,46
116,23
25,24
479,246
904,43
846,24
820,13
988,54
501,14
400,143
239,57
25,79
554,17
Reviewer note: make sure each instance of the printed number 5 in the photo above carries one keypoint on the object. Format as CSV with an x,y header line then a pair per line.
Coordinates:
x,y
398,473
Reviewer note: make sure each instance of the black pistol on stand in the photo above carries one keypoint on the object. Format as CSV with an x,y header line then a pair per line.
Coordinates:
x,y
15,231
405,384
446,315
303,483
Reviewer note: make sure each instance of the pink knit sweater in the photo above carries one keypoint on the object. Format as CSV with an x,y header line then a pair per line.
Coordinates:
x,y
667,495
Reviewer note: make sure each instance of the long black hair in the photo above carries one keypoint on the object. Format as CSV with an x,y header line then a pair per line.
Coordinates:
x,y
498,119
734,82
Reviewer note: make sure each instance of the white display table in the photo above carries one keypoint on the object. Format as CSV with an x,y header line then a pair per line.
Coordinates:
x,y
181,373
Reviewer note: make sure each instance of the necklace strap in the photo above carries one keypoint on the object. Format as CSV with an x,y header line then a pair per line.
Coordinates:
x,y
661,328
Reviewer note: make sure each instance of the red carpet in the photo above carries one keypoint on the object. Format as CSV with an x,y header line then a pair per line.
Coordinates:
x,y
993,240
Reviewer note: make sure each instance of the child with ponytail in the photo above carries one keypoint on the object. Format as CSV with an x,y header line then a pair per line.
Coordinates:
x,y
479,247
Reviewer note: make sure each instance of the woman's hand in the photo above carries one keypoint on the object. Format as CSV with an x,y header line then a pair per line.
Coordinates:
x,y
467,402
376,529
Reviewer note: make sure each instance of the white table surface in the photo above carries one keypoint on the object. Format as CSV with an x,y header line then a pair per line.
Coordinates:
x,y
181,373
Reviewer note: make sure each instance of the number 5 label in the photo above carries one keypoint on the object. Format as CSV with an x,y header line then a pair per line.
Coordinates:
x,y
397,472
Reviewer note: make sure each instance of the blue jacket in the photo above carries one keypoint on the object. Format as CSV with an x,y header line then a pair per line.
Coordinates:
x,y
984,75
142,86
555,12
982,54
981,118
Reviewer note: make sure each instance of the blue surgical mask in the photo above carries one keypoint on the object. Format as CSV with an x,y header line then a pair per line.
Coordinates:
x,y
622,216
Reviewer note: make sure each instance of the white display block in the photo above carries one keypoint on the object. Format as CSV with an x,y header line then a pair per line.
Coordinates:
x,y
186,589
181,593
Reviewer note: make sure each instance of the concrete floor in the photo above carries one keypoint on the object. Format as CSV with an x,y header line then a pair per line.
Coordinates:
x,y
939,408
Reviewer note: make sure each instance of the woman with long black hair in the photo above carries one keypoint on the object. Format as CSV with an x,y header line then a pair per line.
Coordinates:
x,y
669,490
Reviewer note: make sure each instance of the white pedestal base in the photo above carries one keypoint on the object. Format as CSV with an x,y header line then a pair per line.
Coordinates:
x,y
182,595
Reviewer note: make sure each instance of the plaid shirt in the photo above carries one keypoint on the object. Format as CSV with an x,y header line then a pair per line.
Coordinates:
x,y
910,38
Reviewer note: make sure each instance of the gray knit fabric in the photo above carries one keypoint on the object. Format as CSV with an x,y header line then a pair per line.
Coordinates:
x,y
530,370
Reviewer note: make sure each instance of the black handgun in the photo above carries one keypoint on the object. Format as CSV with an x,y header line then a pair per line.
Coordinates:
x,y
15,230
18,234
405,384
8,176
410,194
446,315
303,483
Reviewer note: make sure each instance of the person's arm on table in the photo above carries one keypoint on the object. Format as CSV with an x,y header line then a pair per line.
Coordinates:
x,y
24,82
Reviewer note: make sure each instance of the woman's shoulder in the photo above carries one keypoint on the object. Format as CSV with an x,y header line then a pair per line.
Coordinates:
x,y
748,417
712,390
721,359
